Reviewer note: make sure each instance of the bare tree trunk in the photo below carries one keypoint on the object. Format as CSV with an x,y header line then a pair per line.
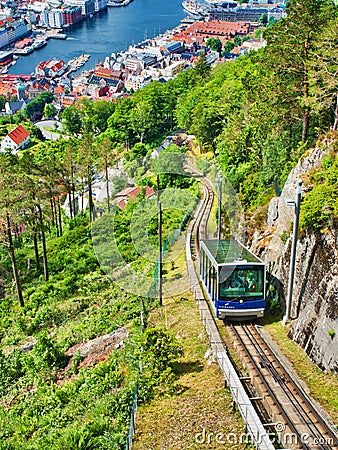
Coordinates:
x,y
306,117
36,248
56,218
52,209
69,194
306,120
73,192
335,123
107,185
60,217
14,264
82,198
90,193
43,240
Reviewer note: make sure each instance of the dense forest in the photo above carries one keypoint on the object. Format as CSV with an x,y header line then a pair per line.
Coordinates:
x,y
254,117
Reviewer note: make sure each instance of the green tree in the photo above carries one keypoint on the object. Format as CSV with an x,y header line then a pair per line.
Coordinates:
x,y
263,19
202,67
237,41
12,195
272,21
72,120
2,102
228,46
36,106
323,75
215,44
50,110
288,53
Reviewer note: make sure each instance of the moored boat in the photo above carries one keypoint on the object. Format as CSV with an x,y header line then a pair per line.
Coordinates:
x,y
194,8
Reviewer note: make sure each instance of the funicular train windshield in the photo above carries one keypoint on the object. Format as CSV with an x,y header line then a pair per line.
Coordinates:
x,y
241,283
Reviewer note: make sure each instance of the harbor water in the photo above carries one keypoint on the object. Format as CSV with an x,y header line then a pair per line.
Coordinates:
x,y
109,31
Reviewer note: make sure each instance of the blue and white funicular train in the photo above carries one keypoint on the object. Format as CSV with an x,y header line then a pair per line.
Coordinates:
x,y
233,278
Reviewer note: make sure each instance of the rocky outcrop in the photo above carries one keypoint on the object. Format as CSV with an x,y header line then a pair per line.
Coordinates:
x,y
315,296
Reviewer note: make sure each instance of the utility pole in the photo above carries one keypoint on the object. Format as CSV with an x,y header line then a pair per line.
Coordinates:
x,y
296,205
219,205
159,252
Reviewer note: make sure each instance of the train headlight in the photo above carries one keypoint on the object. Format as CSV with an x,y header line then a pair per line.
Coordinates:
x,y
241,300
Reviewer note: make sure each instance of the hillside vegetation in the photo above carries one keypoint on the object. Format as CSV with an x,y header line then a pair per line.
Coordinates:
x,y
254,116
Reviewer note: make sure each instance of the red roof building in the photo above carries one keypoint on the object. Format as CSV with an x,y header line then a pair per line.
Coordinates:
x,y
16,139
131,193
200,32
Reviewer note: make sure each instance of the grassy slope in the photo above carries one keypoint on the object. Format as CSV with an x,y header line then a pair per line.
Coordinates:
x,y
172,422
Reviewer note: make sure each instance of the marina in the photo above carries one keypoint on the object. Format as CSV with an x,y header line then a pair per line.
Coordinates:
x,y
112,30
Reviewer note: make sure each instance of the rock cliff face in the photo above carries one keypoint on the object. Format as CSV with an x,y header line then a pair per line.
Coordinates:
x,y
315,296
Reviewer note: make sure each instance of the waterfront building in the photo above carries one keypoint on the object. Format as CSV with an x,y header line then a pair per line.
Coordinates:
x,y
5,13
21,28
245,13
51,68
99,5
3,37
55,18
87,6
72,14
174,47
43,18
16,140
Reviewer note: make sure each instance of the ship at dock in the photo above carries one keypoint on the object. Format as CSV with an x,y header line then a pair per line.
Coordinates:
x,y
118,3
194,8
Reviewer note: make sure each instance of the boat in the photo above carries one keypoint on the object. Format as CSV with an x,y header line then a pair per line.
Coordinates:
x,y
6,57
38,44
118,3
194,8
24,51
58,36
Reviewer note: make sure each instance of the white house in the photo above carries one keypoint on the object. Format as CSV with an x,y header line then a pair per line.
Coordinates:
x,y
16,140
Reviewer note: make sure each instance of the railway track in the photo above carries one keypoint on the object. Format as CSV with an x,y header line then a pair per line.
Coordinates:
x,y
298,423
294,421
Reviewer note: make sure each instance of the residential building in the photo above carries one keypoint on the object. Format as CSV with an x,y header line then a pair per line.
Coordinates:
x,y
173,69
13,107
135,82
16,140
121,198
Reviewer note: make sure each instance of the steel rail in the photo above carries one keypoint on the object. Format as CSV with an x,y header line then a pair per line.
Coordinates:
x,y
285,381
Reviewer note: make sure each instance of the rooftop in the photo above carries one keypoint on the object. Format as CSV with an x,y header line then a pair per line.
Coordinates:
x,y
227,251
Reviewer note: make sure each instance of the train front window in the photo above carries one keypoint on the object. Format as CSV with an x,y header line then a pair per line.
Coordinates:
x,y
242,283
